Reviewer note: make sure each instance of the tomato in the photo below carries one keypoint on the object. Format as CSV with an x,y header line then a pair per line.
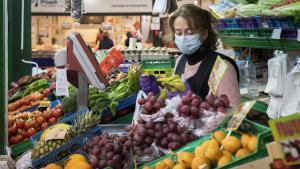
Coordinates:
x,y
29,124
46,92
12,130
31,132
52,120
19,138
57,113
58,106
20,123
23,133
26,101
10,122
40,120
48,114
44,125
12,140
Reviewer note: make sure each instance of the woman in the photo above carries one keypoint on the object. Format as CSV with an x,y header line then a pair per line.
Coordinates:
x,y
196,39
106,42
128,35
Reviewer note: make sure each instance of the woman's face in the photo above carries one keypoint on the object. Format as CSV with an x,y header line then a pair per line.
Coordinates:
x,y
181,28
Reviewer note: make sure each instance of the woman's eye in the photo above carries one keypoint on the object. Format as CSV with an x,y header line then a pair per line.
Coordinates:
x,y
178,33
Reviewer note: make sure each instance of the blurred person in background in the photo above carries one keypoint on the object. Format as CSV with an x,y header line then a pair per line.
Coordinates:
x,y
106,42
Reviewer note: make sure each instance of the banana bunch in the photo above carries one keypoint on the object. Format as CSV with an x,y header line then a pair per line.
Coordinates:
x,y
173,83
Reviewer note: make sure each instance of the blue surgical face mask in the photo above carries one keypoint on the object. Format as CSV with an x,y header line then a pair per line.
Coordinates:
x,y
188,44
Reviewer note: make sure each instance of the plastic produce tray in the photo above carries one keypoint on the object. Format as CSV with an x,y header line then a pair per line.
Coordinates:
x,y
66,149
123,104
158,63
160,72
18,149
263,135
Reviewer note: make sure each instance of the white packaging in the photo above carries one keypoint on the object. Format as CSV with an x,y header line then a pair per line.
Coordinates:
x,y
291,96
274,107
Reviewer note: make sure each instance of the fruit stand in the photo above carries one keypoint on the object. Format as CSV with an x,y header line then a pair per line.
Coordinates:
x,y
87,114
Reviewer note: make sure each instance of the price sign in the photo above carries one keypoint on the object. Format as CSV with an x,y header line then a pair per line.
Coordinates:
x,y
276,33
286,132
298,37
217,74
61,83
239,114
56,133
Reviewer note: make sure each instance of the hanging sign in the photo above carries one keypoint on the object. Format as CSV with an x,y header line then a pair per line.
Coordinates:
x,y
286,132
47,6
217,74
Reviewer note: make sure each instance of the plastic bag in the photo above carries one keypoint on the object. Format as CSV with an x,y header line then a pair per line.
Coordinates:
x,y
277,73
25,161
274,107
208,122
171,106
291,94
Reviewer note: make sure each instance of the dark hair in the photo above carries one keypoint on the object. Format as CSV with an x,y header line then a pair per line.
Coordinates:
x,y
128,34
100,30
197,18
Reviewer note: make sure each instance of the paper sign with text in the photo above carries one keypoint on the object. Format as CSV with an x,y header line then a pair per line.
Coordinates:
x,y
62,83
286,131
239,114
56,133
217,74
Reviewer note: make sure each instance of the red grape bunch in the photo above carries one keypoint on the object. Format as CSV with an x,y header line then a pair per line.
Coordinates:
x,y
213,103
109,150
166,134
151,104
193,105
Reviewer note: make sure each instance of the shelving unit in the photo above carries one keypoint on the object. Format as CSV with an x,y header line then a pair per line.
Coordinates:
x,y
261,43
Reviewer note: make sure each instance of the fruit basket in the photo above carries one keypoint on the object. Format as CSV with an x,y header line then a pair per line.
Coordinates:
x,y
82,126
263,136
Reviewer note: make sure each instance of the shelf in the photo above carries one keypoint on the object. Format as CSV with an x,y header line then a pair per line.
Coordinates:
x,y
261,43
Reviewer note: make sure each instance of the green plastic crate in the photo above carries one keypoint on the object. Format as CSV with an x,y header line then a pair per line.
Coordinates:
x,y
158,63
159,72
263,134
22,147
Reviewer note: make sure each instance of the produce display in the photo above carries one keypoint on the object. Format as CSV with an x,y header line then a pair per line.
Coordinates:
x,y
212,153
100,100
24,125
193,105
110,150
151,104
82,123
75,161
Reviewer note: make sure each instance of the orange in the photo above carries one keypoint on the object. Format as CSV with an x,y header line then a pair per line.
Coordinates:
x,y
245,139
199,161
224,161
81,165
53,166
231,144
242,152
252,144
219,135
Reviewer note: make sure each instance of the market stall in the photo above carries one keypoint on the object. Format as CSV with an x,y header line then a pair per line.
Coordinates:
x,y
125,108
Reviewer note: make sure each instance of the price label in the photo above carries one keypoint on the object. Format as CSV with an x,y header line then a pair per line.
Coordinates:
x,y
62,83
265,25
217,74
286,132
56,133
239,115
298,37
276,33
